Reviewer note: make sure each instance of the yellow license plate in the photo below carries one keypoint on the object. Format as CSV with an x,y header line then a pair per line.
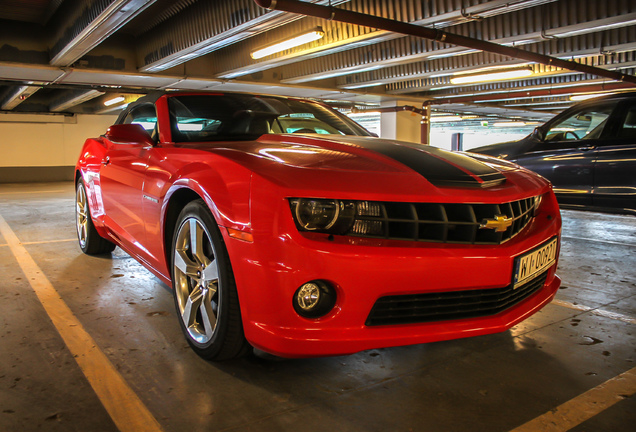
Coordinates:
x,y
535,262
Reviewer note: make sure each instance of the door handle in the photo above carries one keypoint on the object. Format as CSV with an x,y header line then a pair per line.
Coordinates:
x,y
106,161
586,148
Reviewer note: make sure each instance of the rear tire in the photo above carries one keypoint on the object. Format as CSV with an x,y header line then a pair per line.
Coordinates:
x,y
90,242
204,288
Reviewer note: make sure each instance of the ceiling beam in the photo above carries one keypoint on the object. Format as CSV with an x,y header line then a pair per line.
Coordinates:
x,y
107,80
344,38
84,33
385,55
19,95
574,82
357,18
73,99
529,94
205,27
435,74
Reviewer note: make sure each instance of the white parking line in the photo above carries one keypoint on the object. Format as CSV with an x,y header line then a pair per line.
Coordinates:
x,y
122,404
599,312
584,407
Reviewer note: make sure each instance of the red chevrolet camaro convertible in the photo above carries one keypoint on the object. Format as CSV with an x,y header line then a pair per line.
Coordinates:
x,y
282,225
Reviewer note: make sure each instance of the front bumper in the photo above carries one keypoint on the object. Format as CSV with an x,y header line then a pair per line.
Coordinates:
x,y
269,271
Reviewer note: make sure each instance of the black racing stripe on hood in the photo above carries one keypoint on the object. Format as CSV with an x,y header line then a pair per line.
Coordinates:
x,y
440,167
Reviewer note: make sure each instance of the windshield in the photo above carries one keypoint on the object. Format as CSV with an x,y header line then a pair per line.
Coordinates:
x,y
584,124
236,116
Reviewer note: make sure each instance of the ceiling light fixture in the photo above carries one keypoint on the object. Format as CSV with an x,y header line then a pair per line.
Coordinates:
x,y
115,100
295,41
492,76
118,105
447,118
587,96
111,109
509,124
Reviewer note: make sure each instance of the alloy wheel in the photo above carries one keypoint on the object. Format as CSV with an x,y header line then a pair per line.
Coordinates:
x,y
81,215
196,274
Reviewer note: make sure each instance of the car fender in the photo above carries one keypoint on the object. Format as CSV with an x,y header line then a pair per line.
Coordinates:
x,y
224,188
88,168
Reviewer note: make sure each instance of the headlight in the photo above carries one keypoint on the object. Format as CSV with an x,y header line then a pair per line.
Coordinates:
x,y
317,214
536,204
323,215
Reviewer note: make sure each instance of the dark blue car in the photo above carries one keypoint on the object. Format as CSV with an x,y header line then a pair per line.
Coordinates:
x,y
588,152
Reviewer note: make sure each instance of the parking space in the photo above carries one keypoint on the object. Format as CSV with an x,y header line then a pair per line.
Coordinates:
x,y
576,344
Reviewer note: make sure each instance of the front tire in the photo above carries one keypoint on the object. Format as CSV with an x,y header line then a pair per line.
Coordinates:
x,y
89,239
204,288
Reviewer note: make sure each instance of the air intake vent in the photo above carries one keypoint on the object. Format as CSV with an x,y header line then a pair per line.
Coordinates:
x,y
443,306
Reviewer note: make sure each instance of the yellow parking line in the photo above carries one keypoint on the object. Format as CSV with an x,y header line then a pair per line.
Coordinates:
x,y
123,405
583,407
49,241
43,242
599,312
32,192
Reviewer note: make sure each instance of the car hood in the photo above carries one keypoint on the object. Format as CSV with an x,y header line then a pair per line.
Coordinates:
x,y
506,150
370,154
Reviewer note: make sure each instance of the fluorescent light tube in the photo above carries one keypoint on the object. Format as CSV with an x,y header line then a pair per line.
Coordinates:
x,y
492,76
450,118
289,43
509,124
587,96
113,101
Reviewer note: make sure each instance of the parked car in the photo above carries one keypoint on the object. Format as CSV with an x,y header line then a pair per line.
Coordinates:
x,y
312,244
588,152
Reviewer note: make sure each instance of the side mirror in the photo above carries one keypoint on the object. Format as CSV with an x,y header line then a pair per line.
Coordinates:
x,y
538,134
129,134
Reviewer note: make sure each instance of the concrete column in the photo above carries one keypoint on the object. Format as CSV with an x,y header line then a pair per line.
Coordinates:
x,y
426,125
457,142
401,125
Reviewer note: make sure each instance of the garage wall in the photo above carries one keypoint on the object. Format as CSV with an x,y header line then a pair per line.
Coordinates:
x,y
45,147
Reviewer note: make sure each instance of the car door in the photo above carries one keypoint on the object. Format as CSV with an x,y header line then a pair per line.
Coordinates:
x,y
122,179
566,153
615,168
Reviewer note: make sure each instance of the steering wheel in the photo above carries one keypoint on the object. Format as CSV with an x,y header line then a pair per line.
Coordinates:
x,y
576,137
304,130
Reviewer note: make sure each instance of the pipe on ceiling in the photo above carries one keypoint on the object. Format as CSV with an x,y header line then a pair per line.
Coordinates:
x,y
357,18
391,110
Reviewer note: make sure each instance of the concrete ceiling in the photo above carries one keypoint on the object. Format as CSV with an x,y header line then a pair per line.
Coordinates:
x,y
73,55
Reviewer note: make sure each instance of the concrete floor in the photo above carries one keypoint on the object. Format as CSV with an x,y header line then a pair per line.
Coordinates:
x,y
489,383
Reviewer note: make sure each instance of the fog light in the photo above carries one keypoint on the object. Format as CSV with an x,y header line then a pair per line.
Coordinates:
x,y
308,296
314,299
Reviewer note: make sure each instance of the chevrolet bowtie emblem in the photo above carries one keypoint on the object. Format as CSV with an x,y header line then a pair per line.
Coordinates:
x,y
500,223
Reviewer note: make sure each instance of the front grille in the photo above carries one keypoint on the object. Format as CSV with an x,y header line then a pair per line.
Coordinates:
x,y
443,223
442,306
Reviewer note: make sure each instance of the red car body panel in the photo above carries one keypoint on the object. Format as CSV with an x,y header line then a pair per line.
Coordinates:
x,y
247,186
